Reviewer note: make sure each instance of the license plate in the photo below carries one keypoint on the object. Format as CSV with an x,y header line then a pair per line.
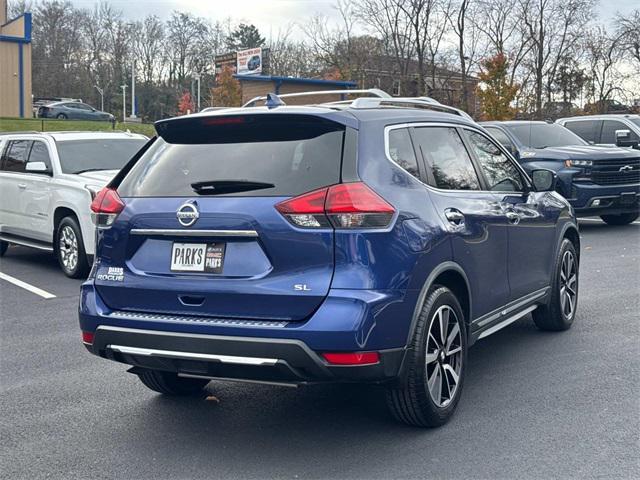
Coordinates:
x,y
627,198
197,257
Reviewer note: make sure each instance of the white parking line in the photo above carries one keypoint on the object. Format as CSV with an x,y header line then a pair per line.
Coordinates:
x,y
26,286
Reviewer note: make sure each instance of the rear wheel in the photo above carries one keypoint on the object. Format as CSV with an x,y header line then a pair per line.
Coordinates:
x,y
3,248
171,384
61,116
561,310
435,364
622,219
70,249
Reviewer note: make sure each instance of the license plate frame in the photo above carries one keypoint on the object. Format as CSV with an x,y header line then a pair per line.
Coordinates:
x,y
201,257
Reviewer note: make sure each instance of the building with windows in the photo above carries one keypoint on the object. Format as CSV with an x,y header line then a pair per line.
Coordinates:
x,y
15,64
259,85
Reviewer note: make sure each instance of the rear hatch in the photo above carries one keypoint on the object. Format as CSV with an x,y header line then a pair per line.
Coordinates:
x,y
199,234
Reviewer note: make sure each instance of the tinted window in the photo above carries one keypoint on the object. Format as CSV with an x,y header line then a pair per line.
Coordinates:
x,y
585,129
609,128
16,155
542,135
635,120
294,163
40,153
401,150
447,158
78,156
500,173
501,137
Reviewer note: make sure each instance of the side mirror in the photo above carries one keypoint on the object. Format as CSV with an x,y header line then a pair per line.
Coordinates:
x,y
623,139
544,180
36,167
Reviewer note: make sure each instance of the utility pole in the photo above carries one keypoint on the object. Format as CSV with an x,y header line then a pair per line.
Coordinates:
x,y
101,92
198,79
124,102
133,89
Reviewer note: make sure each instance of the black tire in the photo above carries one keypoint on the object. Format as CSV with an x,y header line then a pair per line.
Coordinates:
x,y
3,248
555,316
79,268
622,219
169,383
411,402
61,116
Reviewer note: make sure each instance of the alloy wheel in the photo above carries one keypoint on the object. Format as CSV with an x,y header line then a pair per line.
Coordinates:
x,y
568,285
68,245
443,356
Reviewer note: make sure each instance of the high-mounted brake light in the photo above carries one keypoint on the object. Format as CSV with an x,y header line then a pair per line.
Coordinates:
x,y
352,358
223,120
346,205
105,207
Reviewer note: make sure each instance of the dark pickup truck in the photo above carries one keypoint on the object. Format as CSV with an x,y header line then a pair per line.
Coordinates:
x,y
597,181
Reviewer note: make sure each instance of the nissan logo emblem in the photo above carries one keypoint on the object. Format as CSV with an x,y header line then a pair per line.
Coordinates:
x,y
187,214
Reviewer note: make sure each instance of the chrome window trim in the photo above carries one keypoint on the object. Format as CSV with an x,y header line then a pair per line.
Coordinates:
x,y
388,128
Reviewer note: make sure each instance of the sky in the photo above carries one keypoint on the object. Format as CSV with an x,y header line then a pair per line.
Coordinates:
x,y
271,16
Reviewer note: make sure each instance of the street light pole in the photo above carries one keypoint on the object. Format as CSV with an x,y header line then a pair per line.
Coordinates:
x,y
124,102
133,89
198,79
101,92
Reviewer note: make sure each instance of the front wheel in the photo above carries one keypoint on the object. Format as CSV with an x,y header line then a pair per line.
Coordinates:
x,y
435,364
561,310
61,116
622,219
171,384
70,249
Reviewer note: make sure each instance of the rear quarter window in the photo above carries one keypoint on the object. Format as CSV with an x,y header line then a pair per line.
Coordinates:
x,y
292,155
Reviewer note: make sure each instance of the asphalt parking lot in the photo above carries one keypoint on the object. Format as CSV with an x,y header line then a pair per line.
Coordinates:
x,y
535,405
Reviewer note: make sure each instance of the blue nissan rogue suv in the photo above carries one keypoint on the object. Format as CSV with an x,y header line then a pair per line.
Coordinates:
x,y
372,240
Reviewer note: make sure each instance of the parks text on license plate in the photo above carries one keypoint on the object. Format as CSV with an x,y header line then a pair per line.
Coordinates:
x,y
197,257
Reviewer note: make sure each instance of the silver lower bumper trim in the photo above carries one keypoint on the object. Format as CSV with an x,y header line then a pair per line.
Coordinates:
x,y
150,352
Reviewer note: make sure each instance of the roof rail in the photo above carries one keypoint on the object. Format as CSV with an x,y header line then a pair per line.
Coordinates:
x,y
409,102
371,91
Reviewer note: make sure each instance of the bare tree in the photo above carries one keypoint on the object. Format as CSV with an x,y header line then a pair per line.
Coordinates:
x,y
628,28
148,46
603,54
553,28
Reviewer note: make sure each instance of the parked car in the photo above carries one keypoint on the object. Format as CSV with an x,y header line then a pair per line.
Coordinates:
x,y
606,106
354,242
47,183
254,62
608,130
597,181
556,109
73,111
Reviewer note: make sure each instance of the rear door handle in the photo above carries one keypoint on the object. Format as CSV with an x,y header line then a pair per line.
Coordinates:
x,y
22,186
455,216
513,218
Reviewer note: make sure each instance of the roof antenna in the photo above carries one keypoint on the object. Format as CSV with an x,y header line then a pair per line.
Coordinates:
x,y
273,101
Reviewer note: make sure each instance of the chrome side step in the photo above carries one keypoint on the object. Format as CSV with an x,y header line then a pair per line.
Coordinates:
x,y
26,242
507,321
151,352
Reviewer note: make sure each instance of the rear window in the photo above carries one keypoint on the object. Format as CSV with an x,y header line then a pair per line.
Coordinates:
x,y
269,156
77,156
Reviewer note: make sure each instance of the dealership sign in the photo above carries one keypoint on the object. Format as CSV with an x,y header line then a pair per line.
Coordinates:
x,y
249,62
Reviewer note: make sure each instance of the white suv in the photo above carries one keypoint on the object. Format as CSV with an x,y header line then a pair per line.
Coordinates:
x,y
47,183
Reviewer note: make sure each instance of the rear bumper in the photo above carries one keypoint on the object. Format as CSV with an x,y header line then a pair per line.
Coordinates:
x,y
212,356
347,321
589,199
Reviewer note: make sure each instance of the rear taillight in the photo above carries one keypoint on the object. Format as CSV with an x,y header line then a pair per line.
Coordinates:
x,y
105,207
346,205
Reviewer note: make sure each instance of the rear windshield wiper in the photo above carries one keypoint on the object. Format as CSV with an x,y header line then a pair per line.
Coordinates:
x,y
220,187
